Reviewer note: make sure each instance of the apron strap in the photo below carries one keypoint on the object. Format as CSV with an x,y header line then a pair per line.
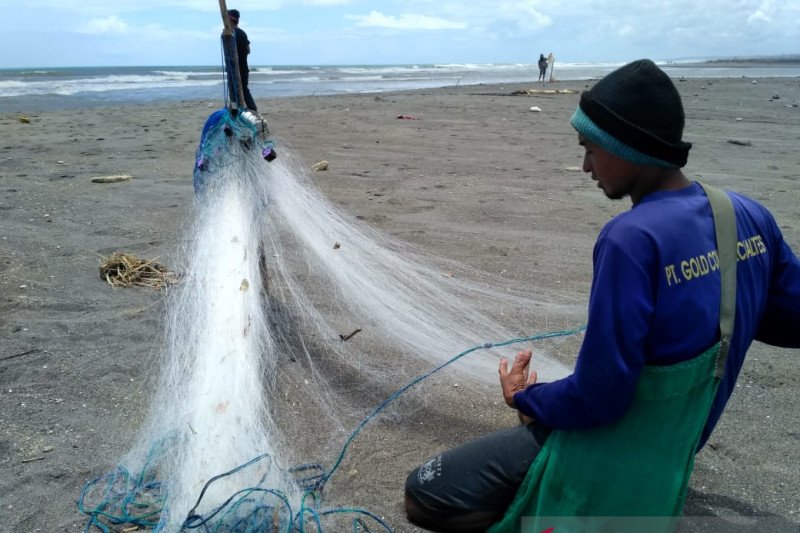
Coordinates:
x,y
725,228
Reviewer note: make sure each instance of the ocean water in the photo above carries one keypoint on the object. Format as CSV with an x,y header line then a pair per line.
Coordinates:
x,y
42,89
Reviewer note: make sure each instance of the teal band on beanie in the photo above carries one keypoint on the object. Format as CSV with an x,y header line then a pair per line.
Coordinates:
x,y
581,122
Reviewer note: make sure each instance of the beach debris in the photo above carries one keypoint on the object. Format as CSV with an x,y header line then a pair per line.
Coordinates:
x,y
754,82
349,335
23,119
573,169
26,352
112,179
536,109
125,270
739,143
739,119
406,117
336,246
528,92
776,97
320,165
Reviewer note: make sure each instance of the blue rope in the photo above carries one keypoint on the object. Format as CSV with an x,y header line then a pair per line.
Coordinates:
x,y
427,374
224,79
194,521
215,150
115,506
230,71
244,511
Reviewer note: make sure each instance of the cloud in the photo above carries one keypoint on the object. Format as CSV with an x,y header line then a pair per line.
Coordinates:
x,y
152,35
626,30
406,21
758,16
110,24
524,14
89,7
761,14
328,2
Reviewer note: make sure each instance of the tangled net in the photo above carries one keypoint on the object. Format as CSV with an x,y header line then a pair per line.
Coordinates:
x,y
121,498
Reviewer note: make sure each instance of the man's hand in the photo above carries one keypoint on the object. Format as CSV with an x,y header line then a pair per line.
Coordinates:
x,y
516,379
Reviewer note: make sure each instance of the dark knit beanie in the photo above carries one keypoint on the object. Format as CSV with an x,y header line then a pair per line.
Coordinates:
x,y
636,114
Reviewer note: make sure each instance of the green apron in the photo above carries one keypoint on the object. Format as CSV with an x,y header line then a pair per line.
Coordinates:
x,y
638,466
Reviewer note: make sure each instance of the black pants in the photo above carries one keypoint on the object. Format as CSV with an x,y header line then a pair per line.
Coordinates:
x,y
470,487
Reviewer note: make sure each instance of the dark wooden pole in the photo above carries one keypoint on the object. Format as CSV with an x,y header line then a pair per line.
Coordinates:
x,y
228,44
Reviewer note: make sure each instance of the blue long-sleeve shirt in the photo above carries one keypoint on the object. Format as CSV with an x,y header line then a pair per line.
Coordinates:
x,y
655,300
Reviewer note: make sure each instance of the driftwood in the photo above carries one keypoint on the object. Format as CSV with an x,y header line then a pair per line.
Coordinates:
x,y
12,356
112,179
349,335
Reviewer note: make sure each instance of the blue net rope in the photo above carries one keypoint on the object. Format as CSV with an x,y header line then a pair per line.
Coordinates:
x,y
229,52
225,135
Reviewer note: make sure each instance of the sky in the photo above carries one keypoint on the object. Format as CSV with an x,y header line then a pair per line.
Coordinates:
x,y
62,33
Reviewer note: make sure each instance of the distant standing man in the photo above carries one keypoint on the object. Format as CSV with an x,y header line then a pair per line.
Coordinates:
x,y
542,67
242,51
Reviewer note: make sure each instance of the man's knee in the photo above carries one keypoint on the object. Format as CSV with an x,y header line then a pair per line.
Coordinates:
x,y
453,520
414,513
417,512
469,487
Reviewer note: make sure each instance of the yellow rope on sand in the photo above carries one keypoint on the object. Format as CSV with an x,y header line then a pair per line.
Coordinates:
x,y
125,270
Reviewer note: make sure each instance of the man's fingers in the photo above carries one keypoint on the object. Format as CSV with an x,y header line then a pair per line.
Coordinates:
x,y
532,378
503,367
522,359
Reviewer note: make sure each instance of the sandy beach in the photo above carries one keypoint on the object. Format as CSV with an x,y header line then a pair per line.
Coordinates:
x,y
468,173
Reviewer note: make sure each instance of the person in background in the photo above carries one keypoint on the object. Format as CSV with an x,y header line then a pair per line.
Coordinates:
x,y
542,67
682,284
242,51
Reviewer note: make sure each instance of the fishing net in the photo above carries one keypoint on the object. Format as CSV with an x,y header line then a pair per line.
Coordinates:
x,y
259,366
